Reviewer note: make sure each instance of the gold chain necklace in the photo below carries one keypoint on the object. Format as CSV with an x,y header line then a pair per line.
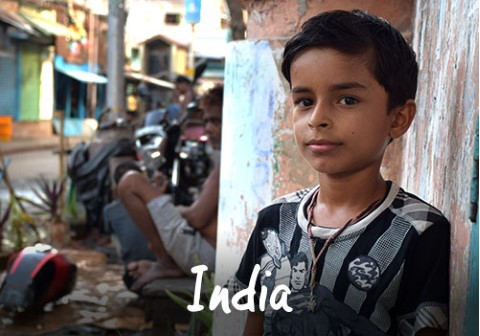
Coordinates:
x,y
312,303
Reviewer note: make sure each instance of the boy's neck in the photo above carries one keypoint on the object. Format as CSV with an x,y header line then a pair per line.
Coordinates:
x,y
341,199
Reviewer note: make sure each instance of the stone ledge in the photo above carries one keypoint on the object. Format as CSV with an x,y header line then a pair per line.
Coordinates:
x,y
32,129
162,310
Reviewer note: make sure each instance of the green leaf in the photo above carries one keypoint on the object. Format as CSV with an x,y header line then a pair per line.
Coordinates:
x,y
205,316
177,299
43,198
5,216
33,203
209,281
49,193
71,205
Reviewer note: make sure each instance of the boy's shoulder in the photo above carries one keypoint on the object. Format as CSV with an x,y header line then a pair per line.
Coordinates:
x,y
406,207
416,211
293,197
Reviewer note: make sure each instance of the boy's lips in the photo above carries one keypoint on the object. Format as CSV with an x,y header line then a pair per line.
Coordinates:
x,y
321,145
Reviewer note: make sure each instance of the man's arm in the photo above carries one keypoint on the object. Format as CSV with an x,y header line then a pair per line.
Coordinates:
x,y
201,212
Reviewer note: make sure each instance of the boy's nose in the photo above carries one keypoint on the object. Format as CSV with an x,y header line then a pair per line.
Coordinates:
x,y
319,117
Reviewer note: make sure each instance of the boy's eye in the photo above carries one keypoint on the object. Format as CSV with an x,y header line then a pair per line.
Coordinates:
x,y
348,101
303,102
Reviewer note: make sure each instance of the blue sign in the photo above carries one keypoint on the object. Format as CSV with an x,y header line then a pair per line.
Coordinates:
x,y
192,10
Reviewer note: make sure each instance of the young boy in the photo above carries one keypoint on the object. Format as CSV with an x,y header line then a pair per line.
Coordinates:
x,y
378,256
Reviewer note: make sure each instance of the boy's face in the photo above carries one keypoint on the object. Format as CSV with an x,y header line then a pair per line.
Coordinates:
x,y
212,117
341,122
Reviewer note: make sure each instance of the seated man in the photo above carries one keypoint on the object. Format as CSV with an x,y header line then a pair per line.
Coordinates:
x,y
131,243
179,237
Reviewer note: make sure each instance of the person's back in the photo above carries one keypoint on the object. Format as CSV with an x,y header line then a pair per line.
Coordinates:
x,y
377,256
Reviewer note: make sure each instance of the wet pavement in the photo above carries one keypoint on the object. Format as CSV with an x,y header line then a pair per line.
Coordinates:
x,y
99,304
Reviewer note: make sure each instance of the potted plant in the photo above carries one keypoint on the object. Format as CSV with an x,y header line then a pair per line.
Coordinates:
x,y
201,320
17,227
74,212
50,200
20,227
4,214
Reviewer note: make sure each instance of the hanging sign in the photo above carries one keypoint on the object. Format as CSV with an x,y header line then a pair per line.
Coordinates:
x,y
192,11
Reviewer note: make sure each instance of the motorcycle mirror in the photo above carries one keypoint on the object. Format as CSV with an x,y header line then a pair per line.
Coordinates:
x,y
200,67
193,106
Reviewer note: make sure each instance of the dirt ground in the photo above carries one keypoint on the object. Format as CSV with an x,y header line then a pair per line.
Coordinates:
x,y
99,304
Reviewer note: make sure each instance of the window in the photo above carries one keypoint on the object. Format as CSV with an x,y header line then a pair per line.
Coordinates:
x,y
172,18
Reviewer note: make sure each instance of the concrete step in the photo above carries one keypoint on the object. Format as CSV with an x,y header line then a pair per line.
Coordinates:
x,y
162,311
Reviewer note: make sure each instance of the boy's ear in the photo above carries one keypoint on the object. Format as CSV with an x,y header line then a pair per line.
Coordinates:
x,y
402,118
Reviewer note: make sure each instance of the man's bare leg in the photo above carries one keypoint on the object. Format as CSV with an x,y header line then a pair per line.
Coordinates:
x,y
138,268
135,192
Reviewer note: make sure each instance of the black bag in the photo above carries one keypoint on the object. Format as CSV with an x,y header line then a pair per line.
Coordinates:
x,y
91,177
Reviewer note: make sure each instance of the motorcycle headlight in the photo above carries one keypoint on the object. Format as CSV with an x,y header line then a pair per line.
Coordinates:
x,y
155,154
183,155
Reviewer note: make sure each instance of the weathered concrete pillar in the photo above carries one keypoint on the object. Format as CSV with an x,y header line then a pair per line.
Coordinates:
x,y
438,152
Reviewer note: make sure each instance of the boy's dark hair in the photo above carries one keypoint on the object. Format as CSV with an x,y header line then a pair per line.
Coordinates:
x,y
356,32
213,96
122,168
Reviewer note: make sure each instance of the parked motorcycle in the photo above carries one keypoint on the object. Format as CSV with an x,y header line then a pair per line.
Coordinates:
x,y
88,167
179,149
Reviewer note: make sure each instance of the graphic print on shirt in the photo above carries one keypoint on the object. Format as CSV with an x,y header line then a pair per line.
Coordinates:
x,y
363,272
299,273
274,265
330,316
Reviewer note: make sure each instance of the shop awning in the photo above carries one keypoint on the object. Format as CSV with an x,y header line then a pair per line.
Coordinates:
x,y
78,72
47,26
149,79
17,21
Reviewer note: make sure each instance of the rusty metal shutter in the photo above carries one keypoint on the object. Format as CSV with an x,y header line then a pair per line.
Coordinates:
x,y
8,85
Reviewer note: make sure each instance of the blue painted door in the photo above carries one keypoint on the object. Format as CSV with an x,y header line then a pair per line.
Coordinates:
x,y
471,313
8,85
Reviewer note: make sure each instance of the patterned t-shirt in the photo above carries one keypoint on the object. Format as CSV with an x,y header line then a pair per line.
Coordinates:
x,y
385,275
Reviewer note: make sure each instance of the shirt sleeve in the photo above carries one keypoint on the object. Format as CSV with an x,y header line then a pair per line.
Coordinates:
x,y
251,257
424,293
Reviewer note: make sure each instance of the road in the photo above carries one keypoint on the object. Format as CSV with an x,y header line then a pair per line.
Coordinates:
x,y
24,168
29,165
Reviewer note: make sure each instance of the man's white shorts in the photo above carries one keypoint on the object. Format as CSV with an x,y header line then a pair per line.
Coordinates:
x,y
183,243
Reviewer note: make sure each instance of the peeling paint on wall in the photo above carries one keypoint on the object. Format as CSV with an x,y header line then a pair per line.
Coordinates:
x,y
246,179
279,19
438,150
247,147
